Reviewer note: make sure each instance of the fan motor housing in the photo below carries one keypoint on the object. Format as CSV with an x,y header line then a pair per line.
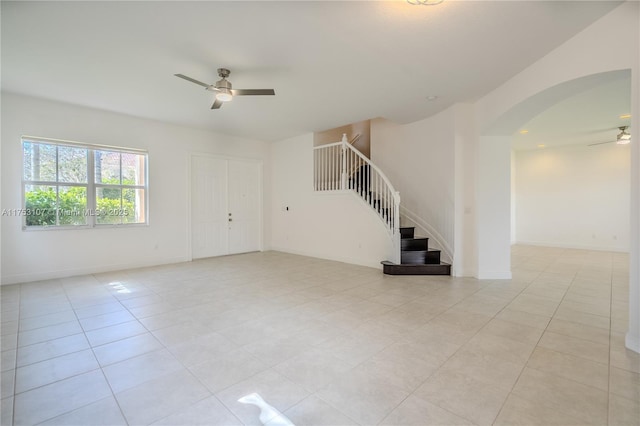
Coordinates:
x,y
223,84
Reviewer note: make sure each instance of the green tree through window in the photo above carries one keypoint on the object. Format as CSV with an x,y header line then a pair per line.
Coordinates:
x,y
76,185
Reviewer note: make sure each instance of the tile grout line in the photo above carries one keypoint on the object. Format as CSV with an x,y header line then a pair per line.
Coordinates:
x,y
574,381
536,345
75,375
165,347
453,354
15,370
148,331
609,351
97,363
370,321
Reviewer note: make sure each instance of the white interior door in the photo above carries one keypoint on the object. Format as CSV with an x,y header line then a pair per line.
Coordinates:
x,y
226,206
244,206
209,234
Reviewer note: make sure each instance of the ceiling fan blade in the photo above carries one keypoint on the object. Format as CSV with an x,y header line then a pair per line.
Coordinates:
x,y
184,77
600,143
216,104
252,92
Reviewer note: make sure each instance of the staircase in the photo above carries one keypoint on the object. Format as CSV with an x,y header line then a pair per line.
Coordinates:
x,y
340,166
416,258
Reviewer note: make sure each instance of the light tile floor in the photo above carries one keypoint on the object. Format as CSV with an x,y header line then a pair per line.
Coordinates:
x,y
324,342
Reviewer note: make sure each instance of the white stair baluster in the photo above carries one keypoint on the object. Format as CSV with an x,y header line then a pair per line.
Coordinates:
x,y
340,166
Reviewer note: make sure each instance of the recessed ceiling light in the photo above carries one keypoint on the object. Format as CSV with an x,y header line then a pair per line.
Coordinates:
x,y
432,98
625,116
541,145
524,132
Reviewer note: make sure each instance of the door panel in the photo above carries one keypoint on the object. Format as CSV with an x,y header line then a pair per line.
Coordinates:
x,y
209,207
244,206
226,203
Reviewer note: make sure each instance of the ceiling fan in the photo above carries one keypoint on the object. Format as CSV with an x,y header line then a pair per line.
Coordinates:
x,y
222,88
623,137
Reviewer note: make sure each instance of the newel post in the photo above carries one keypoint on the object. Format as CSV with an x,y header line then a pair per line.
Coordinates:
x,y
396,227
343,180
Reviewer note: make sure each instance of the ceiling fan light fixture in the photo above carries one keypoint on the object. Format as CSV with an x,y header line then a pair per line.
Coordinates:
x,y
624,137
425,2
223,88
224,95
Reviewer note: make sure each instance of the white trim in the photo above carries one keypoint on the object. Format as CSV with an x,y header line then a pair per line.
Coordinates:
x,y
349,260
570,246
51,141
429,230
90,185
327,145
632,342
258,161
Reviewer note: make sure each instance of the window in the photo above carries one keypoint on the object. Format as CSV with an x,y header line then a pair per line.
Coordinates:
x,y
120,186
72,185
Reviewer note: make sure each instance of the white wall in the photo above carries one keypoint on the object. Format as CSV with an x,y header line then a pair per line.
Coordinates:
x,y
34,255
632,338
418,159
513,212
493,208
329,226
465,259
363,128
611,43
575,197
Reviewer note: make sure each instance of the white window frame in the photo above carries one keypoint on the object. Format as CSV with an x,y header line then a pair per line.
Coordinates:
x,y
90,185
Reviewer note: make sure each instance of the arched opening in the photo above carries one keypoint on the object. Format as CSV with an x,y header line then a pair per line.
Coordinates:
x,y
493,186
494,146
570,179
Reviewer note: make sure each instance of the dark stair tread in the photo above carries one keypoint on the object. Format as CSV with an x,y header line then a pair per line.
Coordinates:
x,y
412,244
391,268
416,257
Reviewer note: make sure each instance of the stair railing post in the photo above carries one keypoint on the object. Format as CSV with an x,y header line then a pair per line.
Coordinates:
x,y
343,161
396,226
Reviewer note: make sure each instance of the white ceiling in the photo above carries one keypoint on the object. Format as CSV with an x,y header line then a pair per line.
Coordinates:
x,y
591,116
330,63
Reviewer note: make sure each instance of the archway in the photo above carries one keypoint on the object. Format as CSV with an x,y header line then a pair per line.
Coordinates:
x,y
493,188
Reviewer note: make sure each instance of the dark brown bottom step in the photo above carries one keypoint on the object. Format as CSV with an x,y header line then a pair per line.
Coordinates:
x,y
391,268
419,257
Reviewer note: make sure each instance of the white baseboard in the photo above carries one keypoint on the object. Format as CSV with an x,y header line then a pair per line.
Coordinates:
x,y
352,261
571,246
462,273
95,269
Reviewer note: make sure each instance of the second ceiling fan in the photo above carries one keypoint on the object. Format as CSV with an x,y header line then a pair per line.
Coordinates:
x,y
623,138
223,89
